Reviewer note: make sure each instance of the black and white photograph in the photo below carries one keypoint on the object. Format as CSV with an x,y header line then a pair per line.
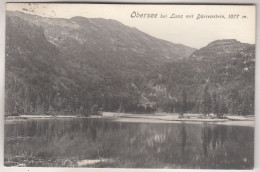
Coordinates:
x,y
129,86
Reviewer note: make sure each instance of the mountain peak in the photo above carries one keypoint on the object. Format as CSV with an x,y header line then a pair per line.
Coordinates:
x,y
224,42
78,18
221,48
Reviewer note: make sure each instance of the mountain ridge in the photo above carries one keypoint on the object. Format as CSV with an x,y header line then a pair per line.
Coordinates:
x,y
70,24
56,66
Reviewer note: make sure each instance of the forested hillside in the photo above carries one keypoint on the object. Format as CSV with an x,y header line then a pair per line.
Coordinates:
x,y
68,66
226,67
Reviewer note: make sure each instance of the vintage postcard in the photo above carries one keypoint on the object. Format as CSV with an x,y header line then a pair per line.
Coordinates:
x,y
129,86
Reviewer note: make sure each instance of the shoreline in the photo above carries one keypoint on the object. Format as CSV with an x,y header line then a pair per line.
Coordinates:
x,y
232,120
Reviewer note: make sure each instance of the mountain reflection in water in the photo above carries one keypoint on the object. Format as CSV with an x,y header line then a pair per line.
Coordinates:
x,y
50,142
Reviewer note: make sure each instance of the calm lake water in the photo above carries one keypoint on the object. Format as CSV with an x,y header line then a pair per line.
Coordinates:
x,y
65,142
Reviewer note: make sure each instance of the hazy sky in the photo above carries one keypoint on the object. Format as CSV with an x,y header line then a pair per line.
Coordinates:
x,y
192,32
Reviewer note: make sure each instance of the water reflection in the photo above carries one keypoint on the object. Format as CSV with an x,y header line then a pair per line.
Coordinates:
x,y
93,133
141,145
206,138
216,135
183,135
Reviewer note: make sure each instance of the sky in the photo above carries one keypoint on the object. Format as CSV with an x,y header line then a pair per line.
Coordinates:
x,y
192,32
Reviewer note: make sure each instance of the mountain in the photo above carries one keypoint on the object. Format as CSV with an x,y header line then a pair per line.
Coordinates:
x,y
102,41
221,48
70,66
58,65
227,67
231,70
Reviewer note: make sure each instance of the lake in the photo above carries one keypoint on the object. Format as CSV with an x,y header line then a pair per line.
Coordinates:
x,y
87,142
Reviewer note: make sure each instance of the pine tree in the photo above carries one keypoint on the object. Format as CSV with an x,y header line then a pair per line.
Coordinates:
x,y
222,109
206,101
184,101
182,107
215,104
